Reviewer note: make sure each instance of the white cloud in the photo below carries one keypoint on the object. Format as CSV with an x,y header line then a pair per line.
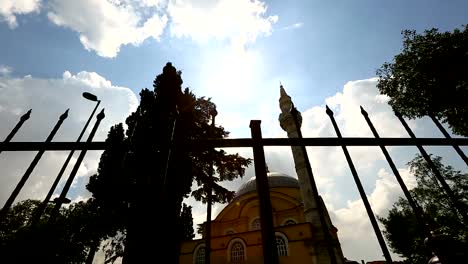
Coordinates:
x,y
49,98
104,26
292,26
331,171
151,2
5,70
238,21
9,9
355,231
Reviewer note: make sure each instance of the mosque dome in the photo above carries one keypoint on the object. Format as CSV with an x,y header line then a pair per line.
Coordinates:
x,y
275,179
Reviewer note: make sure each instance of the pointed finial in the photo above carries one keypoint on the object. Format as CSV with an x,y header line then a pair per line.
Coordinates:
x,y
282,91
64,115
26,115
363,112
285,100
101,115
328,111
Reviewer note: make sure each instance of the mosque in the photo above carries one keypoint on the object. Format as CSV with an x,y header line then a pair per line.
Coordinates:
x,y
235,232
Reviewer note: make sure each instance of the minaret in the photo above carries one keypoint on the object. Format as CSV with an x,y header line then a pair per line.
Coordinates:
x,y
311,206
287,124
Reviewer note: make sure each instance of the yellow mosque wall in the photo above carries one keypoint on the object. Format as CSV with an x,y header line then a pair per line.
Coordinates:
x,y
234,223
299,236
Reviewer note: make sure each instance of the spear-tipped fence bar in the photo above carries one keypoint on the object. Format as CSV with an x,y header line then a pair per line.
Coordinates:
x,y
370,213
453,200
20,123
63,194
321,210
423,221
414,205
31,167
41,208
446,135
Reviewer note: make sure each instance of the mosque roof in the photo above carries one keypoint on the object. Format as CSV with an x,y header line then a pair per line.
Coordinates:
x,y
275,179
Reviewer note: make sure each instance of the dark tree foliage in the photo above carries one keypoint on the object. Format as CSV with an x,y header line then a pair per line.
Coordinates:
x,y
405,236
429,76
134,177
67,241
187,223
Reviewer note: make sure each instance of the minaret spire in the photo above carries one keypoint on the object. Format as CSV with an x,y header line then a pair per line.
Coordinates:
x,y
312,207
285,101
286,105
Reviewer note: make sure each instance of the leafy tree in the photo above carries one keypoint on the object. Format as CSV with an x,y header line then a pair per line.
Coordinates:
x,y
133,170
429,77
405,235
187,223
67,241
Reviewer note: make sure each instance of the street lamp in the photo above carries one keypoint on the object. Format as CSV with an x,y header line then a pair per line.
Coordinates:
x,y
40,210
90,96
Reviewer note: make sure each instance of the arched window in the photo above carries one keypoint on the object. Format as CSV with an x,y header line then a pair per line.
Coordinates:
x,y
199,257
281,244
237,251
289,221
255,224
229,231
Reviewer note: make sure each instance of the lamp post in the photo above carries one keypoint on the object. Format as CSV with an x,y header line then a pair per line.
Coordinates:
x,y
71,177
40,210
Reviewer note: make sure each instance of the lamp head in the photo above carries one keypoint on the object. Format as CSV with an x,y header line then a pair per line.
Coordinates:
x,y
90,96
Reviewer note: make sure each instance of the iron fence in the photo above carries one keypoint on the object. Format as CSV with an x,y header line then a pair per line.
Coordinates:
x,y
257,143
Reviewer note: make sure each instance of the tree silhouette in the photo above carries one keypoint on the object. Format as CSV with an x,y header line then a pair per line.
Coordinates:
x,y
135,180
187,223
69,240
401,227
429,77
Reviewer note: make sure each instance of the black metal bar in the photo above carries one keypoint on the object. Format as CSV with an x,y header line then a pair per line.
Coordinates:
x,y
31,167
70,179
323,222
208,222
370,213
209,198
446,134
454,201
23,119
419,213
247,142
41,208
169,150
270,253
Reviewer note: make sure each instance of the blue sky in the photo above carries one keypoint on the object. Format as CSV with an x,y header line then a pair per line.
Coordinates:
x,y
237,52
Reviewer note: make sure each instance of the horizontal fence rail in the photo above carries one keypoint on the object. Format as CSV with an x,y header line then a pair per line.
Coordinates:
x,y
247,142
257,143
